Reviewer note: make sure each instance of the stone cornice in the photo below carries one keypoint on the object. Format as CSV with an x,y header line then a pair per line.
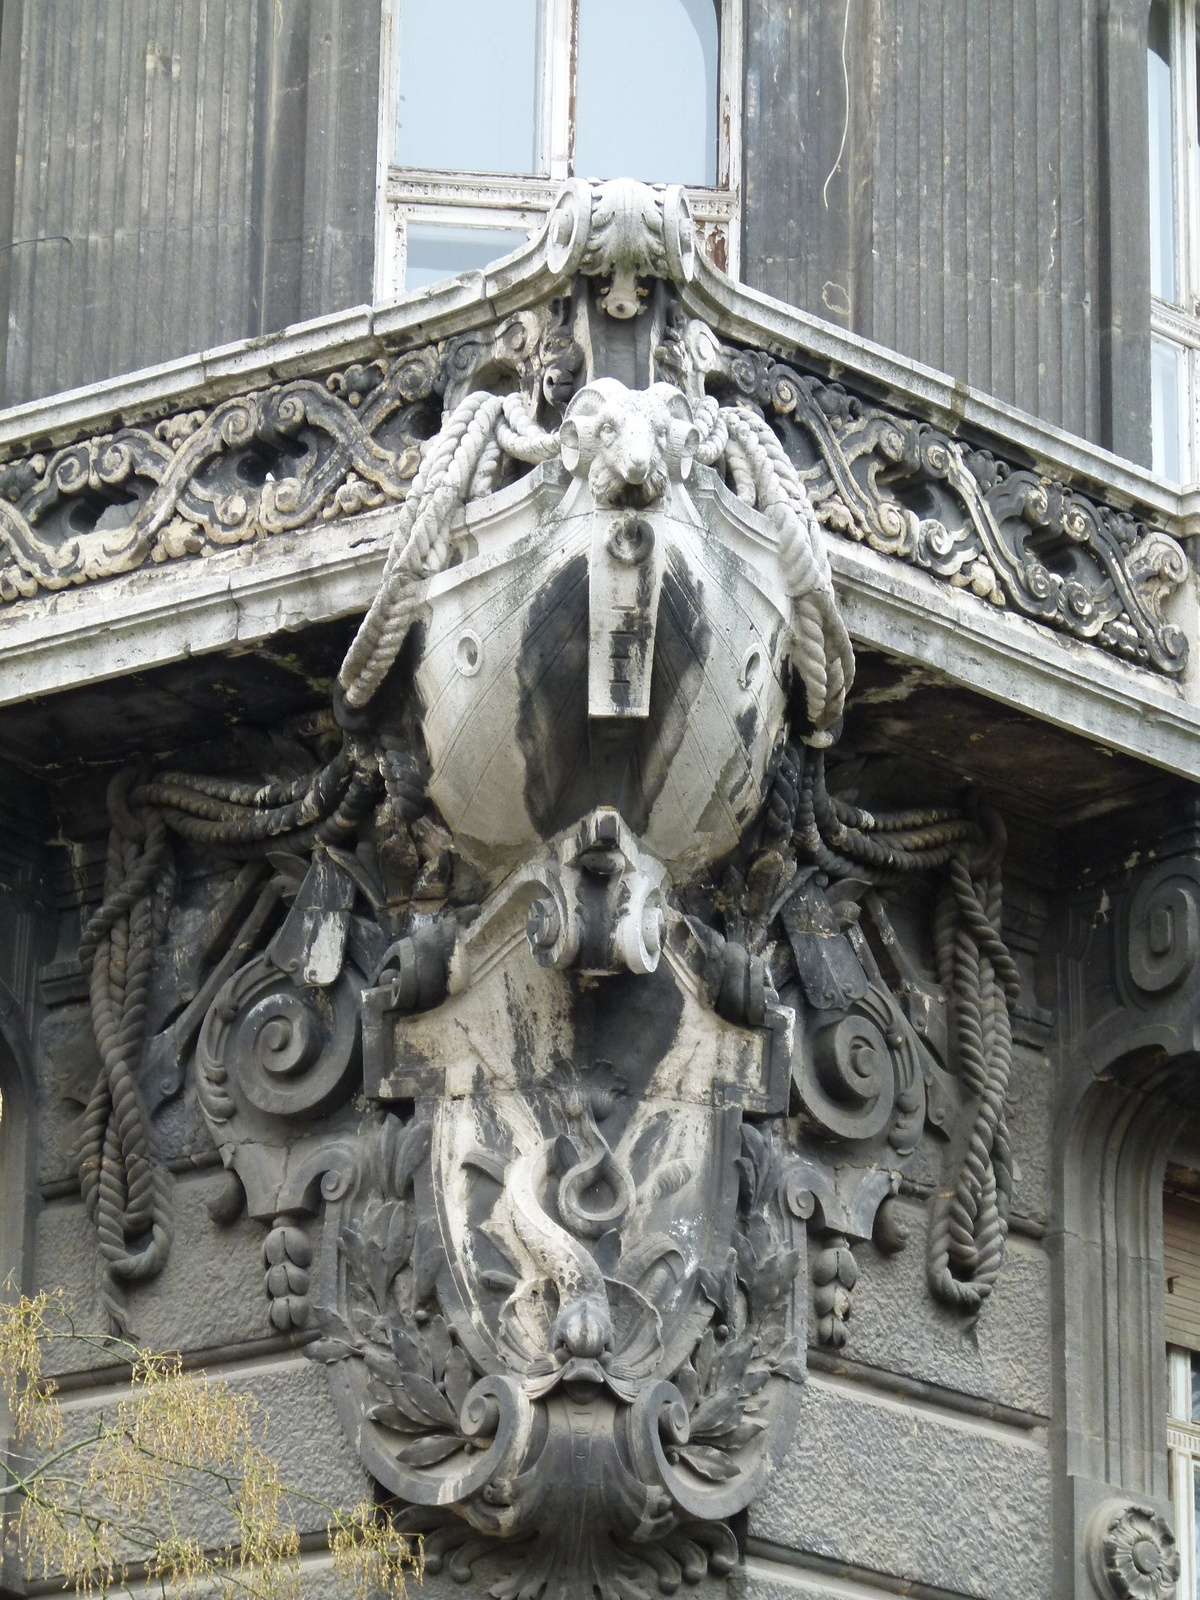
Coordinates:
x,y
320,428
242,598
475,299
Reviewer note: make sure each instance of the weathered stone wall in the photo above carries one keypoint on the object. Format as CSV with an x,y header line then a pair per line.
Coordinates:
x,y
179,176
965,184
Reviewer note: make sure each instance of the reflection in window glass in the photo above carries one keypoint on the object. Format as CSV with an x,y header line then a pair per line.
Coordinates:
x,y
1164,409
1162,202
468,85
647,109
435,253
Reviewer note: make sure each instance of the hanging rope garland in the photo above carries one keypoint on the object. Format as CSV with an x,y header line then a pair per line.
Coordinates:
x,y
123,1188
969,1224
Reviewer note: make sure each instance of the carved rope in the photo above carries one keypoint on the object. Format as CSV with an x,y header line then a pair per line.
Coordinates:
x,y
1010,535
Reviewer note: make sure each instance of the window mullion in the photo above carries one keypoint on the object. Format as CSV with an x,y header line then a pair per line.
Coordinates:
x,y
558,84
1180,188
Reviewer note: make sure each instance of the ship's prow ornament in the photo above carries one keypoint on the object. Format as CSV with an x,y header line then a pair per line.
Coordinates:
x,y
558,1001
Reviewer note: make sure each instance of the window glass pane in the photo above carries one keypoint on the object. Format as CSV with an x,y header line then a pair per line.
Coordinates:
x,y
434,253
468,85
1162,165
1194,1362
1165,371
1195,1529
646,94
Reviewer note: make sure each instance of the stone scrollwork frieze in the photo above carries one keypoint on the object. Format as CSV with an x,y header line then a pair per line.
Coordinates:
x,y
339,443
560,1034
1009,535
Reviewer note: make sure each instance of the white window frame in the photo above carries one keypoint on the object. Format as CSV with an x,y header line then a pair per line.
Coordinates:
x,y
1183,1456
1178,324
487,200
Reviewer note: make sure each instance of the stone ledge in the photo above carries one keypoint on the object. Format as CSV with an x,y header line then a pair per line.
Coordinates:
x,y
243,597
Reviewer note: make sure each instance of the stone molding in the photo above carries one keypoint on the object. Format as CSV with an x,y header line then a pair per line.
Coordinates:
x,y
337,443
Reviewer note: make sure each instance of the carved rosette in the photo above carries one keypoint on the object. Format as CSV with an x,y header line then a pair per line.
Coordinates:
x,y
1132,1553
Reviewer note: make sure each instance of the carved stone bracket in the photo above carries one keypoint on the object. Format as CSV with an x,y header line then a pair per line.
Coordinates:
x,y
560,1010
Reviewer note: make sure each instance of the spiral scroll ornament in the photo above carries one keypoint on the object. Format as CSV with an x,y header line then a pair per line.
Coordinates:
x,y
1163,928
282,1050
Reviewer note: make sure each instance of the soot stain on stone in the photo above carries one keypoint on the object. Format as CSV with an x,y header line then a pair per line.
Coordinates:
x,y
630,1020
573,764
682,646
552,694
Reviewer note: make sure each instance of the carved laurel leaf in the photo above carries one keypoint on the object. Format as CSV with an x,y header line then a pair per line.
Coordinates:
x,y
391,1416
428,1257
747,1430
705,1358
387,1248
439,1345
786,1362
717,1415
688,1385
413,1150
708,1462
429,1399
458,1378
329,1350
433,1448
412,1354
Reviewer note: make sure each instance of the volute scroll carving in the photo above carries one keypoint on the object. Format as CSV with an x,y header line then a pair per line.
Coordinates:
x,y
564,1045
1162,929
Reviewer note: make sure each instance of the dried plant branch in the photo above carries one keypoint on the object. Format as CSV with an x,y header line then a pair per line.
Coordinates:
x,y
175,1453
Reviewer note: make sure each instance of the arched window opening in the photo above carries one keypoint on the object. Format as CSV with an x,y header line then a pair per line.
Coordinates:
x,y
493,102
1181,1300
1172,87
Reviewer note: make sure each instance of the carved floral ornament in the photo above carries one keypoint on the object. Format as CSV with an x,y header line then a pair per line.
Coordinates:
x,y
1132,1554
334,445
548,1012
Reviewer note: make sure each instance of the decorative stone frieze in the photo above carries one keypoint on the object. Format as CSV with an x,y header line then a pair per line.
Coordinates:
x,y
1010,535
336,444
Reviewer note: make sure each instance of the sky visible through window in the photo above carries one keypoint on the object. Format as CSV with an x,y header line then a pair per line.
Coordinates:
x,y
468,85
646,88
